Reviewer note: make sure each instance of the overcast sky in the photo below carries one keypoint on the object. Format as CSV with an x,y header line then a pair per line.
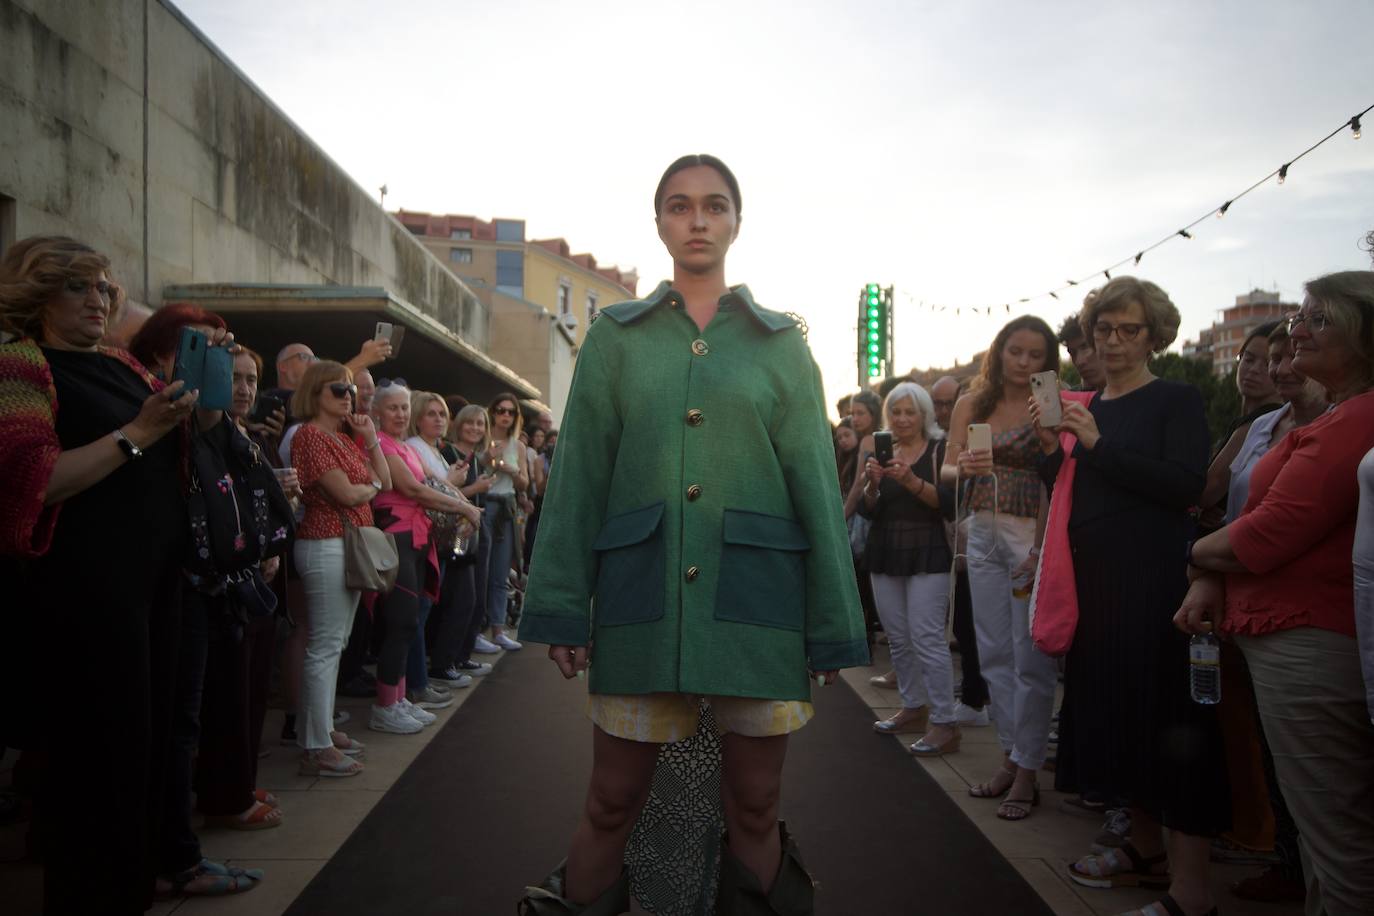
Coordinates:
x,y
967,153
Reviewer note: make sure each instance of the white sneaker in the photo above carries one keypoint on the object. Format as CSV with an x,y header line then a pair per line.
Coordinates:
x,y
423,716
485,646
505,642
968,717
475,669
393,719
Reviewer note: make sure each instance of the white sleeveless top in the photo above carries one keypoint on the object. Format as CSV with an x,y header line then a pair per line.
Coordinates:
x,y
503,484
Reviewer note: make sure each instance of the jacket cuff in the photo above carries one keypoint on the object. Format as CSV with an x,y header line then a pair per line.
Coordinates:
x,y
555,631
832,656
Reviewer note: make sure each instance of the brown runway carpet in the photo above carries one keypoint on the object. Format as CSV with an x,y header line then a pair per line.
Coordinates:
x,y
489,805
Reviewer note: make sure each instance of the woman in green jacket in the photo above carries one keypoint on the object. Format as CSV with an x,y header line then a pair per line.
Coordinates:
x,y
693,545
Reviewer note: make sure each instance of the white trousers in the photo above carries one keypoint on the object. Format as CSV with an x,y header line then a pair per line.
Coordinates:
x,y
330,607
912,609
1021,679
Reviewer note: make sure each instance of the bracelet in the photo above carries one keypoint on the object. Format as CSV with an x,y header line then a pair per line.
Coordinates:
x,y
376,443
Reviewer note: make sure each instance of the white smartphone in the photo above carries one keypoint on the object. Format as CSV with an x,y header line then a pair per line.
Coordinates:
x,y
980,436
1045,389
393,333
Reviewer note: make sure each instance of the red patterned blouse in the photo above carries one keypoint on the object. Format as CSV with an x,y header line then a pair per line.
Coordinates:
x,y
315,452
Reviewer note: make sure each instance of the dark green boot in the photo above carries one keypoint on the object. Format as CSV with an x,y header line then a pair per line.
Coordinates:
x,y
793,893
547,899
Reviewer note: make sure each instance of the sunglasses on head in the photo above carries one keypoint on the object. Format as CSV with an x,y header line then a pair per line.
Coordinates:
x,y
507,411
343,389
388,382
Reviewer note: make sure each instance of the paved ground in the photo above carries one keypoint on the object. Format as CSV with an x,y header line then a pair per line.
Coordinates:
x,y
321,813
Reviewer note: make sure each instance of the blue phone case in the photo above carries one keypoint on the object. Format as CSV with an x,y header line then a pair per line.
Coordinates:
x,y
201,366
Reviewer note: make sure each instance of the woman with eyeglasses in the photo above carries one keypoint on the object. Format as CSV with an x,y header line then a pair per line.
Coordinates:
x,y
1280,579
507,458
999,516
1129,728
338,480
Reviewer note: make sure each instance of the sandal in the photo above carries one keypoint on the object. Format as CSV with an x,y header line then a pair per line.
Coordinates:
x,y
924,748
1018,809
267,798
346,745
313,765
261,816
1124,867
1168,904
995,787
228,879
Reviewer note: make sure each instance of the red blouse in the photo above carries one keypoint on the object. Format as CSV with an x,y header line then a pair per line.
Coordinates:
x,y
1297,530
315,452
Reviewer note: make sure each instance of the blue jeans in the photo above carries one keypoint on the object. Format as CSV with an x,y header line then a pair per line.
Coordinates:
x,y
498,571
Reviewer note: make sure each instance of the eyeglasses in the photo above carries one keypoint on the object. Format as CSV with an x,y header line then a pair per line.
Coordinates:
x,y
342,389
1126,331
304,354
388,382
82,288
1316,321
504,411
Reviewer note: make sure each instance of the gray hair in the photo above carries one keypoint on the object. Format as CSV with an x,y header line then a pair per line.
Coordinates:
x,y
386,394
910,391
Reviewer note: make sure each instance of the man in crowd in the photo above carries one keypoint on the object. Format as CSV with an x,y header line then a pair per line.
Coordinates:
x,y
1083,354
366,389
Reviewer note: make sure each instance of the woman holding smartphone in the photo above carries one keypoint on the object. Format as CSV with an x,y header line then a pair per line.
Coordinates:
x,y
1005,501
686,504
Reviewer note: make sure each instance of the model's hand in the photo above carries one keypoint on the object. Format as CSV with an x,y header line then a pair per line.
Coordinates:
x,y
1206,600
825,678
1079,421
571,660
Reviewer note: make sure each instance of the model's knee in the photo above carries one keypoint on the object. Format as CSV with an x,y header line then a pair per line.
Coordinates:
x,y
612,808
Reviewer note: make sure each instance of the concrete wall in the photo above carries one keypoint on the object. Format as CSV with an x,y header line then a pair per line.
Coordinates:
x,y
124,127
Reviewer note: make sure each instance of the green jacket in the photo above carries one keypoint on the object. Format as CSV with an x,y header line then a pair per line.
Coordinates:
x,y
693,531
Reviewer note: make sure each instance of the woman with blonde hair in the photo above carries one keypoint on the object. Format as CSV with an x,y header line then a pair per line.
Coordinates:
x,y
338,480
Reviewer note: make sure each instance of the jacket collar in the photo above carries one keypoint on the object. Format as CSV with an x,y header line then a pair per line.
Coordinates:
x,y
664,294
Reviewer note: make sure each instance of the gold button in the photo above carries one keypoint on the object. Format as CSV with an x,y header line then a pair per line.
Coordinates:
x,y
695,417
693,493
674,304
700,347
692,573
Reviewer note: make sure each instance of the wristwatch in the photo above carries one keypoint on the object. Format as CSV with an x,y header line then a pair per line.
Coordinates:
x,y
130,450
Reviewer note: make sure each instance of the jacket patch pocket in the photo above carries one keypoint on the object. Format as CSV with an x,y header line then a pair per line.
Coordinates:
x,y
762,571
630,575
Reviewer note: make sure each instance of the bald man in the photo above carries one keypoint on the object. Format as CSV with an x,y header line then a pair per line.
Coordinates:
x,y
944,393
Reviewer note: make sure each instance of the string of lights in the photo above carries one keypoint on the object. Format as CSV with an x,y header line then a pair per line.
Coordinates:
x,y
1353,124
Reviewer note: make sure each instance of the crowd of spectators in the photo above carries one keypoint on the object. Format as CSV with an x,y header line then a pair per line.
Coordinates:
x,y
1131,526
195,558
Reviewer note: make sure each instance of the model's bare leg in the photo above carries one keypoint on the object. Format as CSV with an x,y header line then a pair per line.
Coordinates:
x,y
751,785
622,773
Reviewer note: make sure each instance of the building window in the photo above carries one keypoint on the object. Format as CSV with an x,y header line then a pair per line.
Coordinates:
x,y
510,272
416,228
510,230
460,234
591,307
564,298
460,255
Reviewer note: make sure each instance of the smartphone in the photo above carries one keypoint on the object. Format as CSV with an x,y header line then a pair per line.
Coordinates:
x,y
980,436
394,333
1045,389
209,369
267,403
882,447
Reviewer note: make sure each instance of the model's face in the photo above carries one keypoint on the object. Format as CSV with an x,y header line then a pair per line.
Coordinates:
x,y
245,386
366,389
862,419
1252,372
433,422
944,395
845,440
1085,360
1022,354
393,412
292,365
503,417
77,317
905,419
1112,336
473,431
697,220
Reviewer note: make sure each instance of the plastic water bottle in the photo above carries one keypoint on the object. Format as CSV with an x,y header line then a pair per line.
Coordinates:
x,y
1204,667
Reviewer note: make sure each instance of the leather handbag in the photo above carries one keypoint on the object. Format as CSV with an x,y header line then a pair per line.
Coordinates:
x,y
452,534
370,560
